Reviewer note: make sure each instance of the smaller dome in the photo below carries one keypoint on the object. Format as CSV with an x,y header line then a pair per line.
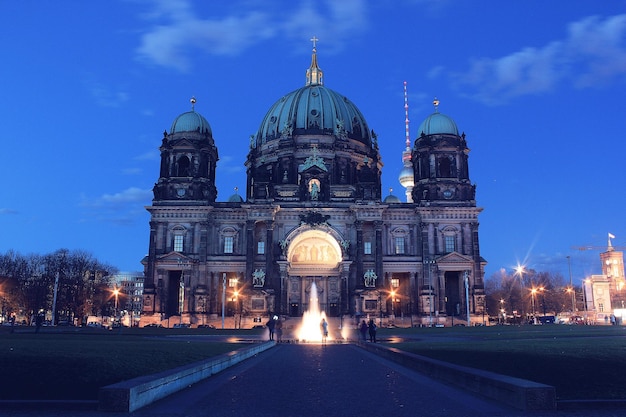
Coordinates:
x,y
235,198
391,199
191,122
406,178
438,123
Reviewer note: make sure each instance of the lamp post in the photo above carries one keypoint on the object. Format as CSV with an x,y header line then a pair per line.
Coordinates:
x,y
393,312
380,309
467,301
181,290
235,300
520,271
223,296
571,285
116,292
430,262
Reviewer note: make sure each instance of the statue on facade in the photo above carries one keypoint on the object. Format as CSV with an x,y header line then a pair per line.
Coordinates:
x,y
370,278
258,278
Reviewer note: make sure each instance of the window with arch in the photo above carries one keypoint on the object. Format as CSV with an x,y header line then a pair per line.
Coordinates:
x,y
182,167
178,234
449,239
399,236
229,235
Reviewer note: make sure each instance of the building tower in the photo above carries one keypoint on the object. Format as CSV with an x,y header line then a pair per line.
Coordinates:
x,y
406,175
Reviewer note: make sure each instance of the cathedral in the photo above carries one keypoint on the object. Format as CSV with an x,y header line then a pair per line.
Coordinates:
x,y
313,215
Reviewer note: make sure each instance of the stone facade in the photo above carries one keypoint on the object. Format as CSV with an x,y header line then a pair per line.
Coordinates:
x,y
313,212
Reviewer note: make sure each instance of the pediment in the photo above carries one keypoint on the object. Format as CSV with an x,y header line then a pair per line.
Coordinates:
x,y
174,258
454,258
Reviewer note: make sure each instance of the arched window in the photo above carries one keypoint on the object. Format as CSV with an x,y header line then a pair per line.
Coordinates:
x,y
183,167
178,239
449,239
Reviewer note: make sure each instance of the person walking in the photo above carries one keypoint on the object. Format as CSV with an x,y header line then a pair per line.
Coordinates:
x,y
372,329
271,324
324,329
279,330
363,330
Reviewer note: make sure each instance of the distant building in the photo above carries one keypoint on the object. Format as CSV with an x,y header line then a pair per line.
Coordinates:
x,y
130,300
313,213
605,294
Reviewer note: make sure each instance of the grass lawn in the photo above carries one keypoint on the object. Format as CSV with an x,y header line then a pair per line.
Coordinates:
x,y
54,365
582,362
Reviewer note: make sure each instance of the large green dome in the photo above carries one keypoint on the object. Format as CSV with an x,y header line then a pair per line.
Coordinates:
x,y
313,109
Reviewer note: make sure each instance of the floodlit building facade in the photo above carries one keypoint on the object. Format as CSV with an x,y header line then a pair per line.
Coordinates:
x,y
313,212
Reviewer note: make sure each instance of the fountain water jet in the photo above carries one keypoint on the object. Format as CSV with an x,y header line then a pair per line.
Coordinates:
x,y
310,330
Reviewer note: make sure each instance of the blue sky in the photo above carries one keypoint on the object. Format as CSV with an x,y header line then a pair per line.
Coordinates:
x,y
88,87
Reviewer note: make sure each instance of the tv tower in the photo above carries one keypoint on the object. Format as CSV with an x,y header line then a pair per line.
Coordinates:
x,y
406,176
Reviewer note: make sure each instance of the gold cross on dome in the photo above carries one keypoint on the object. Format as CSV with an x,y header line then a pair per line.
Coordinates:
x,y
314,40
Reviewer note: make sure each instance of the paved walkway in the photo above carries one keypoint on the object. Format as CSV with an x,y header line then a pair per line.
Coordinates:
x,y
322,381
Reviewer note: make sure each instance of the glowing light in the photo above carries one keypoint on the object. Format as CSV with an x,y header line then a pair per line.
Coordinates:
x,y
310,329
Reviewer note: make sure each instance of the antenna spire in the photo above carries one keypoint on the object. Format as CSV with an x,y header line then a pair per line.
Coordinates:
x,y
406,118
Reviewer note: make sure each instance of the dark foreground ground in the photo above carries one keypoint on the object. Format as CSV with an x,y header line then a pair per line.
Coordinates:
x,y
315,380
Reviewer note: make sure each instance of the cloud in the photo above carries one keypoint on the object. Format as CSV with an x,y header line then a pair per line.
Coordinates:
x,y
7,211
177,32
132,171
592,54
230,165
120,208
106,96
151,155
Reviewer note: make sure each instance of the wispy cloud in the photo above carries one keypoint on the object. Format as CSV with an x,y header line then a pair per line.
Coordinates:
x,y
229,165
151,155
130,196
106,96
119,208
132,171
7,211
177,32
592,54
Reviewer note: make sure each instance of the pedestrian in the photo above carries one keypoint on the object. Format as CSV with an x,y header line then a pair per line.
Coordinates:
x,y
324,329
363,330
271,324
279,330
38,321
372,329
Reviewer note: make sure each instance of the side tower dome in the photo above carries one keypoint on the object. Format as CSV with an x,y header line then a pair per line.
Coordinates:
x,y
188,160
314,144
440,164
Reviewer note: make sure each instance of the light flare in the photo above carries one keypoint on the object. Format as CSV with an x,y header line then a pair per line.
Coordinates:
x,y
310,329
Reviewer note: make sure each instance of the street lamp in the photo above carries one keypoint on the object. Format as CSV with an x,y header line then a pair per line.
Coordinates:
x,y
430,262
182,264
571,285
116,293
223,296
519,270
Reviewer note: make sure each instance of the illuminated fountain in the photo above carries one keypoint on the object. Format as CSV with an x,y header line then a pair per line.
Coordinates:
x,y
310,330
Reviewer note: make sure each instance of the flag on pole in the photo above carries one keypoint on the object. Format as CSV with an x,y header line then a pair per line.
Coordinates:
x,y
611,236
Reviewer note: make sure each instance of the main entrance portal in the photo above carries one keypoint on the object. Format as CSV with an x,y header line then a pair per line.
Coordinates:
x,y
314,263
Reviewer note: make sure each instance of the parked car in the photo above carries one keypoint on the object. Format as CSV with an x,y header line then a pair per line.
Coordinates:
x,y
206,326
181,326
